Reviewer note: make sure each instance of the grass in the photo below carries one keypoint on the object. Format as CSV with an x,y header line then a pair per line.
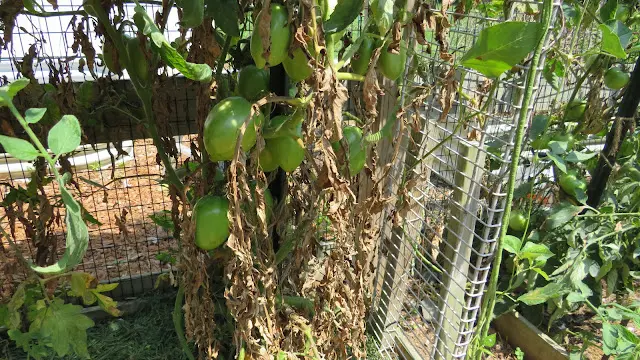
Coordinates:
x,y
145,335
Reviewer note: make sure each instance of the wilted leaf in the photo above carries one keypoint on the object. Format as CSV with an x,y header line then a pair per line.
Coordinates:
x,y
197,72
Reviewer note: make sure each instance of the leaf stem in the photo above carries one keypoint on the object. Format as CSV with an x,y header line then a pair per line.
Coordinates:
x,y
177,322
34,138
349,76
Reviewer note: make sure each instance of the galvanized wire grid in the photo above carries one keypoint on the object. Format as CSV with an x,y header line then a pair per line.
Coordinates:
x,y
433,266
118,252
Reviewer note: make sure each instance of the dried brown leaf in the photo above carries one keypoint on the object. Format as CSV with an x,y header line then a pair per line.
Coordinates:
x,y
263,24
447,93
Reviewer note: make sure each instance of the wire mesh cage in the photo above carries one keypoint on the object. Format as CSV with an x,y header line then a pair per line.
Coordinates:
x,y
433,263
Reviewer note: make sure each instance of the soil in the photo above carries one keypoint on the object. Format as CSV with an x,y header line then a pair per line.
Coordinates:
x,y
127,242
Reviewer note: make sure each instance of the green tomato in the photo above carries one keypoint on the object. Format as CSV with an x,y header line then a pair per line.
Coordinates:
x,y
280,35
616,79
253,82
297,67
570,183
212,223
541,142
361,59
287,151
575,110
267,161
222,127
392,65
517,221
357,154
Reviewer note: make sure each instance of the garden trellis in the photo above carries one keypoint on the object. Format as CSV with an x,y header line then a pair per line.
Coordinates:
x,y
439,178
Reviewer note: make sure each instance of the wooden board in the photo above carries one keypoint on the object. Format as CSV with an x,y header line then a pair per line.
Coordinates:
x,y
535,344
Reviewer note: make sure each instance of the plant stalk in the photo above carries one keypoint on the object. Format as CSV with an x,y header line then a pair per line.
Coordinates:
x,y
490,297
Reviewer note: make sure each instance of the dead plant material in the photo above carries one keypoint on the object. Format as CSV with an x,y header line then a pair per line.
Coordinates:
x,y
371,89
594,121
82,42
447,92
264,28
8,13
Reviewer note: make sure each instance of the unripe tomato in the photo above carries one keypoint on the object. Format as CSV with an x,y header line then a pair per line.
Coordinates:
x,y
212,223
287,152
297,67
517,221
569,182
616,79
575,110
392,65
267,161
357,154
361,59
222,127
253,82
280,35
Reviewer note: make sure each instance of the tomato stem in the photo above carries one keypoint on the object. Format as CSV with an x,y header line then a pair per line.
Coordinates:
x,y
349,76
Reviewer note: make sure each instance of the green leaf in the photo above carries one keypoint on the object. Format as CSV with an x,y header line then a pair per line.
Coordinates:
x,y
575,297
554,72
539,124
615,38
576,156
80,284
107,304
65,136
63,326
562,166
225,14
542,294
489,341
343,15
171,56
541,273
558,147
608,10
609,338
561,214
192,12
382,14
502,46
612,281
10,90
572,13
533,251
77,238
512,244
18,148
34,115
